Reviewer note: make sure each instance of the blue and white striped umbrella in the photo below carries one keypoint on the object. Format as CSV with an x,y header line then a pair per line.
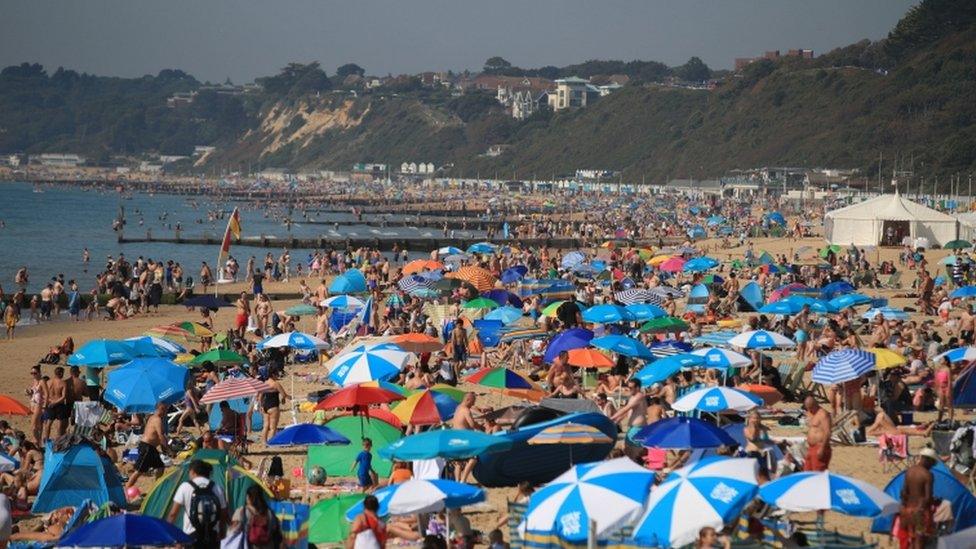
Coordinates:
x,y
645,311
843,365
344,302
611,493
802,492
607,313
722,358
959,354
850,300
368,363
761,339
293,340
421,496
887,312
449,250
414,282
639,295
717,399
710,492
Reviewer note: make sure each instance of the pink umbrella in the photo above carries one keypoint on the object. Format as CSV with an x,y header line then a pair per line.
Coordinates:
x,y
673,265
235,387
785,291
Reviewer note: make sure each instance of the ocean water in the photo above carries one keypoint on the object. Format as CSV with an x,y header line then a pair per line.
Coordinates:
x,y
48,230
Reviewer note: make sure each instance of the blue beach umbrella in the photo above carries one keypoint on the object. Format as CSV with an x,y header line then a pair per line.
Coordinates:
x,y
126,530
714,220
303,434
959,354
574,338
717,399
607,313
144,347
512,275
776,217
342,302
816,305
8,463
645,311
682,433
414,282
843,365
661,369
482,248
421,496
696,232
99,353
623,345
572,259
850,300
140,385
449,250
700,264
761,339
503,297
444,443
506,314
802,492
708,493
368,363
835,289
350,282
609,493
722,358
964,292
889,313
293,340
781,307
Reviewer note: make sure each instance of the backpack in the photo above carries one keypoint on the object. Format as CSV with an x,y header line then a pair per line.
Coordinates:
x,y
259,529
204,510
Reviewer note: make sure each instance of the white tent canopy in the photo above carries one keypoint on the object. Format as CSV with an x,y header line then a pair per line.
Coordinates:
x,y
886,220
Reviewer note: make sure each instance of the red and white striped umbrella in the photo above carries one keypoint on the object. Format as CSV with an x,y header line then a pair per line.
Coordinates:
x,y
235,387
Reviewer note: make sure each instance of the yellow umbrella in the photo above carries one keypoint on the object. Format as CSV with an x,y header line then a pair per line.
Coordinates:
x,y
886,358
658,259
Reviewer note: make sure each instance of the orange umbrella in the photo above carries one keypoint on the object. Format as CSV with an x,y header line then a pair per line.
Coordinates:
x,y
768,394
173,333
589,358
418,265
418,343
480,278
12,407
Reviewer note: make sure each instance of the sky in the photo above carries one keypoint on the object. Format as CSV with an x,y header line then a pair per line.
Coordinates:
x,y
244,39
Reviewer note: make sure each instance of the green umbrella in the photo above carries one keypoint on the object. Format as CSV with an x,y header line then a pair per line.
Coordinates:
x,y
301,310
480,303
958,245
219,357
832,248
327,522
665,324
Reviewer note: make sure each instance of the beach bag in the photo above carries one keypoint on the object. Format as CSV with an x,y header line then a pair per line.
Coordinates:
x,y
205,511
259,529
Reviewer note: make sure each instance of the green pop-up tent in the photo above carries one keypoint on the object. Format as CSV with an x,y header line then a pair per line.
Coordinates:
x,y
327,520
337,460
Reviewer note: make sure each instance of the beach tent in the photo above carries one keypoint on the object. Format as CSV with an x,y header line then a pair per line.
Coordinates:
x,y
945,486
337,460
697,299
967,225
964,389
75,475
233,479
349,282
867,223
751,297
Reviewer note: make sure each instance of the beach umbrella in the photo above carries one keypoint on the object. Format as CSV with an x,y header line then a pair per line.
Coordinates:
x,y
143,347
664,325
959,354
623,345
502,379
714,220
663,368
572,259
717,399
550,309
657,260
481,279
512,275
570,433
802,492
609,493
761,339
417,343
573,338
426,408
479,303
172,333
769,395
164,345
345,302
12,407
327,522
368,363
707,493
964,292
507,314
682,433
126,530
886,358
392,387
413,283
303,434
645,311
350,282
449,250
888,313
790,289
776,217
589,358
722,358
957,245
219,357
835,289
425,293
850,300
482,248
293,340
139,385
607,313
358,397
419,265
842,365
635,296
301,309
99,353
782,307
503,297
206,301
395,301
233,388
8,463
948,260
672,265
825,251
421,496
444,443
196,329
700,264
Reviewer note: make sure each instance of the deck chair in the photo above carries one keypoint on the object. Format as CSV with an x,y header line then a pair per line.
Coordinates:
x,y
843,428
87,416
893,281
893,452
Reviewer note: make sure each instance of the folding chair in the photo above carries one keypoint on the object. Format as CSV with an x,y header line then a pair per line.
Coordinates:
x,y
893,452
843,428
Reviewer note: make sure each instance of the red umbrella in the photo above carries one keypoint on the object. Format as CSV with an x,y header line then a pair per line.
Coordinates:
x,y
13,407
356,397
673,265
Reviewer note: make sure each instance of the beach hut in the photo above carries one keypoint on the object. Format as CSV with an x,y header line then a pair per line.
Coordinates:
x,y
77,474
885,220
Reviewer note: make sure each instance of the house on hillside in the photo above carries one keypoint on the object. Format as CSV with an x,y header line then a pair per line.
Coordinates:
x,y
572,93
519,95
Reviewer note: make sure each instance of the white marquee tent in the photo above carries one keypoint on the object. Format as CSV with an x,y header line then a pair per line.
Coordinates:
x,y
886,220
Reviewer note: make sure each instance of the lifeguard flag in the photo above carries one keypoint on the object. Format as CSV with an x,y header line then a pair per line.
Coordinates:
x,y
233,228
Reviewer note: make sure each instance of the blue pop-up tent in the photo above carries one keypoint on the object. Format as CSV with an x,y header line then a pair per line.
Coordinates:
x,y
944,486
75,475
964,389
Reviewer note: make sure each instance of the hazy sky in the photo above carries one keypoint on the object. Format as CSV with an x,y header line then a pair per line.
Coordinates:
x,y
243,39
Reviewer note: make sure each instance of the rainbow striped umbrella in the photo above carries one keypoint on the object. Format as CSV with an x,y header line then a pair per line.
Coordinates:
x,y
392,387
233,388
196,329
173,333
507,382
426,408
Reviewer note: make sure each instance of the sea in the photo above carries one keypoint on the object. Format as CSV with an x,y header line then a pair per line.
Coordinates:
x,y
46,228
